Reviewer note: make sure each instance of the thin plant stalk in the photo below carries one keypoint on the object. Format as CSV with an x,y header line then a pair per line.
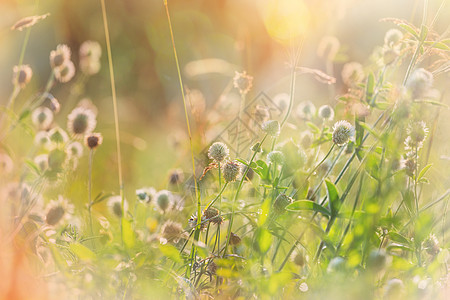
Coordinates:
x,y
91,159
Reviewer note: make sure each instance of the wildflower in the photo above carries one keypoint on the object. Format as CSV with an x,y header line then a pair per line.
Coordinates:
x,y
57,210
419,83
176,176
281,202
28,22
42,139
218,152
52,103
243,82
41,161
326,112
56,159
93,140
417,132
212,268
87,104
392,37
6,163
256,147
81,121
192,222
22,75
231,171
171,231
275,157
164,200
234,239
115,205
60,56
42,117
328,47
343,131
146,194
58,136
65,72
394,289
74,149
212,214
271,127
90,53
431,245
306,110
282,101
409,164
352,73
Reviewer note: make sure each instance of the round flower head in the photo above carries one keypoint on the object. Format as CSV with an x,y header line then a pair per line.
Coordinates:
x,y
74,149
306,110
282,101
52,103
218,152
22,75
56,159
417,132
271,127
343,131
298,258
115,205
377,260
392,37
352,73
146,194
326,112
234,239
419,83
212,214
65,72
164,200
281,202
176,176
431,245
93,140
42,139
192,222
57,210
231,171
243,82
90,53
41,161
59,56
6,163
171,232
58,136
275,157
81,121
42,117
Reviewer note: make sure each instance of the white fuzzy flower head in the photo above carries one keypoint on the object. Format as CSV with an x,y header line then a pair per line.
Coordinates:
x,y
58,136
22,75
65,72
352,73
74,149
306,110
115,205
271,127
42,139
231,171
218,152
146,194
326,113
41,161
343,131
59,56
90,53
171,232
282,101
57,210
418,131
419,83
275,157
164,200
392,37
81,121
42,117
243,82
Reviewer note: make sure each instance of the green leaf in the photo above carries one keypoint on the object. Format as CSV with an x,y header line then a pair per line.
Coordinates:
x,y
265,208
333,197
313,127
437,45
432,102
424,171
32,165
171,252
83,252
308,205
410,30
398,238
24,114
370,87
263,239
128,235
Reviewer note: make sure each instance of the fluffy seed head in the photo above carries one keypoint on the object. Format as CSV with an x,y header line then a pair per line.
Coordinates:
x,y
275,157
392,37
22,75
431,245
146,194
282,101
343,131
326,112
115,205
231,171
41,161
218,152
243,82
65,72
59,56
93,140
42,117
281,202
58,136
419,83
212,214
352,73
193,222
171,231
57,210
90,53
164,200
42,139
306,110
74,149
52,103
81,121
271,127
418,131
